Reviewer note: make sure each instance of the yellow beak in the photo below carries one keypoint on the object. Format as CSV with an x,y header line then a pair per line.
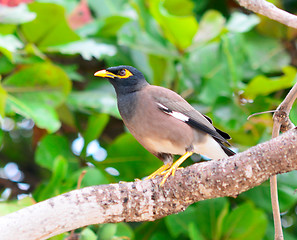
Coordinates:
x,y
104,73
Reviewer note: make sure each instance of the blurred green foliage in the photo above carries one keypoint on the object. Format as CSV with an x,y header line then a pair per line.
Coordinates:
x,y
57,120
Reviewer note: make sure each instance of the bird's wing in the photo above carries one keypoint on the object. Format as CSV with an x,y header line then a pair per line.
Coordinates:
x,y
173,104
192,117
183,111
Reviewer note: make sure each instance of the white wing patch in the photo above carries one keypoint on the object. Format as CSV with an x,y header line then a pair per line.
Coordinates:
x,y
162,106
179,116
174,114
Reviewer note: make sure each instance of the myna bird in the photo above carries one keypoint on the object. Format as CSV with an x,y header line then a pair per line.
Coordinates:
x,y
163,122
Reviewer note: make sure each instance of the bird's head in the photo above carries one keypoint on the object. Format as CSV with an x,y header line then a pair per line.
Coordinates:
x,y
125,79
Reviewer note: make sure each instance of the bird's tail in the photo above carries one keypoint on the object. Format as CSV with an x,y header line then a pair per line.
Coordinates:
x,y
227,150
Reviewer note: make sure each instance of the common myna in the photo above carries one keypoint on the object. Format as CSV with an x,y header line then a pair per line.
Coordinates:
x,y
163,122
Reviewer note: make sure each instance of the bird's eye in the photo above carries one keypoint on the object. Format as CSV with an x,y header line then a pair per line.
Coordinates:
x,y
122,72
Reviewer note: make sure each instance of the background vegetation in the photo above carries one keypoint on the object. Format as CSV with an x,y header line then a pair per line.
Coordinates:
x,y
58,120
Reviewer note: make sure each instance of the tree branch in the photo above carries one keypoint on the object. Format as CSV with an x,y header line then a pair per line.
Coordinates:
x,y
281,122
269,10
282,112
146,200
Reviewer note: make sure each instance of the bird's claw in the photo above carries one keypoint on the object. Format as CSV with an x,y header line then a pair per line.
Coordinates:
x,y
167,173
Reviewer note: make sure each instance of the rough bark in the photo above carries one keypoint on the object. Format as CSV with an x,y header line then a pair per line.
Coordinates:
x,y
146,200
269,10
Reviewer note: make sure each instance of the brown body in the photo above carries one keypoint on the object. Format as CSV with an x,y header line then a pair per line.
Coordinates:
x,y
159,132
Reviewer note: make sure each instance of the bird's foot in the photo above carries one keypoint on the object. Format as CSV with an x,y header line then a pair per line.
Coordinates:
x,y
158,171
173,171
174,167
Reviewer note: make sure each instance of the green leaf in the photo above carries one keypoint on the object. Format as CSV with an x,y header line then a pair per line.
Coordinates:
x,y
262,85
210,26
174,7
174,25
287,197
15,205
93,177
289,179
43,115
50,147
87,234
265,54
274,29
3,98
260,196
286,193
146,22
111,25
72,72
107,231
245,223
159,235
228,114
96,125
16,15
205,218
1,138
6,65
7,29
163,71
61,236
199,59
210,217
124,231
35,91
100,97
66,115
293,114
47,30
59,171
215,77
129,158
46,80
106,8
131,35
240,22
194,233
9,44
178,224
88,49
288,235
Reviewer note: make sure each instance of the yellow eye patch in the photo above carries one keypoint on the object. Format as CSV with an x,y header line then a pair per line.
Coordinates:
x,y
124,73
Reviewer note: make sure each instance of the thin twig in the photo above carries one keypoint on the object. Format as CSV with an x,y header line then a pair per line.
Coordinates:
x,y
281,122
258,113
81,176
278,231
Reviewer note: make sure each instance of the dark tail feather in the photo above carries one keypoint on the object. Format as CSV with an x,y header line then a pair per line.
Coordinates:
x,y
223,134
227,150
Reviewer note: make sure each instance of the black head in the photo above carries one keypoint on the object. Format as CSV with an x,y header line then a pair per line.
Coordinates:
x,y
125,79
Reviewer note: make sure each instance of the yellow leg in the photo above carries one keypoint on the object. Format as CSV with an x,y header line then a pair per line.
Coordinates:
x,y
158,171
172,169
